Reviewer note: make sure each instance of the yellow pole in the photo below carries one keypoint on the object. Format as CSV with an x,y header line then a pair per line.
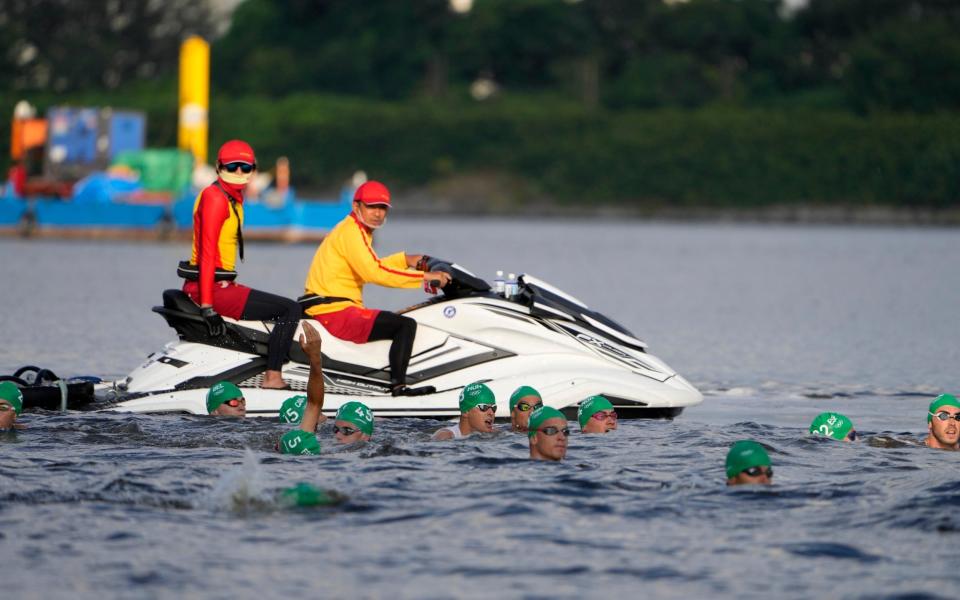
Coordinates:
x,y
194,97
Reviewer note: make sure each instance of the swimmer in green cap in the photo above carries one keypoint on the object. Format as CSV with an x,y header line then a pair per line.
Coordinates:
x,y
354,423
548,433
596,415
748,462
306,494
523,400
225,399
478,408
834,425
304,439
291,411
298,441
943,423
11,405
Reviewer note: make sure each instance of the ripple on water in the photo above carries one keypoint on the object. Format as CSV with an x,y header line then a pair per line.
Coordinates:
x,y
639,505
830,550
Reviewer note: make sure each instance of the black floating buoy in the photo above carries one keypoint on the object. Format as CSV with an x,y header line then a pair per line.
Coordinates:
x,y
41,388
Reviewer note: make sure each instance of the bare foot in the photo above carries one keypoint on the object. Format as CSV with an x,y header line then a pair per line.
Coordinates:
x,y
273,381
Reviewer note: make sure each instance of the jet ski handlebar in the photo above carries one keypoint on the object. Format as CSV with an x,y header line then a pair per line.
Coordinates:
x,y
462,282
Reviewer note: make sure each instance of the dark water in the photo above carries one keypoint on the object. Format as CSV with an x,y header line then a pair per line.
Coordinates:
x,y
773,324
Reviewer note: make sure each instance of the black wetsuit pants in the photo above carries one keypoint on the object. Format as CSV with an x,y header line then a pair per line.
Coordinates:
x,y
285,313
402,330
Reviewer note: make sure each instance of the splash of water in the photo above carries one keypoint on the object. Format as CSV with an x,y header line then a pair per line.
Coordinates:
x,y
241,489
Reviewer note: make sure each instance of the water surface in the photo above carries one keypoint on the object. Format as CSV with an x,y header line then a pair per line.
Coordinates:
x,y
774,324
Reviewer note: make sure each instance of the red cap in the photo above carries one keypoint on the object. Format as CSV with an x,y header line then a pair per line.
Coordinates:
x,y
372,193
236,151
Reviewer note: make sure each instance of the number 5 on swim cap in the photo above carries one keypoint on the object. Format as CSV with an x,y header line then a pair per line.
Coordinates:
x,y
298,441
291,411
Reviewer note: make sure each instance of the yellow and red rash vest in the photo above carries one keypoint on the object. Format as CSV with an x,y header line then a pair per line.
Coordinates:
x,y
215,227
345,261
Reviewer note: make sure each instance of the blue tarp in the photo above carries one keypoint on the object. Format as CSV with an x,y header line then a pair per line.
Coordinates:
x,y
103,187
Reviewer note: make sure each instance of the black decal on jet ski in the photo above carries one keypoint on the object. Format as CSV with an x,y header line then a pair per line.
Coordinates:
x,y
173,362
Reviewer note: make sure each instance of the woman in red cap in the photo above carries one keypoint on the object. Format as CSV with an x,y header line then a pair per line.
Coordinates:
x,y
210,274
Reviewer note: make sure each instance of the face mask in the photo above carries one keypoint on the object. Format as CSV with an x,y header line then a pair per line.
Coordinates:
x,y
368,225
237,178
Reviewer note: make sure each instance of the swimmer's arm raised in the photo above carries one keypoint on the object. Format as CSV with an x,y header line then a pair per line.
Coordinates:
x,y
310,342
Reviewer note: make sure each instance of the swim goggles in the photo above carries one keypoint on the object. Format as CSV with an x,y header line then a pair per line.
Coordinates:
x,y
604,414
524,407
345,430
945,416
552,431
486,407
758,471
235,402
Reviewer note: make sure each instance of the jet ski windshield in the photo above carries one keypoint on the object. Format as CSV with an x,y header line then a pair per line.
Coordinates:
x,y
546,301
543,300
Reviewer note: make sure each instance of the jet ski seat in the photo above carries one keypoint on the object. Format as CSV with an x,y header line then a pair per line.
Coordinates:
x,y
370,359
178,300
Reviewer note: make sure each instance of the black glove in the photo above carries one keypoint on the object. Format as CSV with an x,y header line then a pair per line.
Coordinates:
x,y
422,263
215,325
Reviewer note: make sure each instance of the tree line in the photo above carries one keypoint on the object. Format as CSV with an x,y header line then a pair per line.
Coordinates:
x,y
725,103
859,55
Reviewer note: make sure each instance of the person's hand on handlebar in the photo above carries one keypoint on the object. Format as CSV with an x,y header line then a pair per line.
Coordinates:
x,y
442,278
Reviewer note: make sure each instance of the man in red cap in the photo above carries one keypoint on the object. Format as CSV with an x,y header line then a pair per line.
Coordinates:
x,y
345,262
210,274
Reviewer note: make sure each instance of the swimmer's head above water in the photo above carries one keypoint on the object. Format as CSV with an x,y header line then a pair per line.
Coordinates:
x,y
354,423
835,426
943,423
596,415
748,463
225,399
548,433
523,401
11,404
478,407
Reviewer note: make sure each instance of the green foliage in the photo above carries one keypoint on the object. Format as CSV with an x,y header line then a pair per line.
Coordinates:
x,y
914,68
719,157
66,46
730,157
376,48
722,102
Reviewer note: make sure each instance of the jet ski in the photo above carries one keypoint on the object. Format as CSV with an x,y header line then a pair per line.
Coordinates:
x,y
540,337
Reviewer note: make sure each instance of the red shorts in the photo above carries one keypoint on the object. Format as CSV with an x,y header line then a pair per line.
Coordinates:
x,y
352,323
229,298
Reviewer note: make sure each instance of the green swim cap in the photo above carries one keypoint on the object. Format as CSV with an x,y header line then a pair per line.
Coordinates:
x,y
298,441
220,393
831,424
291,411
12,394
305,494
941,401
544,413
745,454
590,406
522,392
474,394
358,414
